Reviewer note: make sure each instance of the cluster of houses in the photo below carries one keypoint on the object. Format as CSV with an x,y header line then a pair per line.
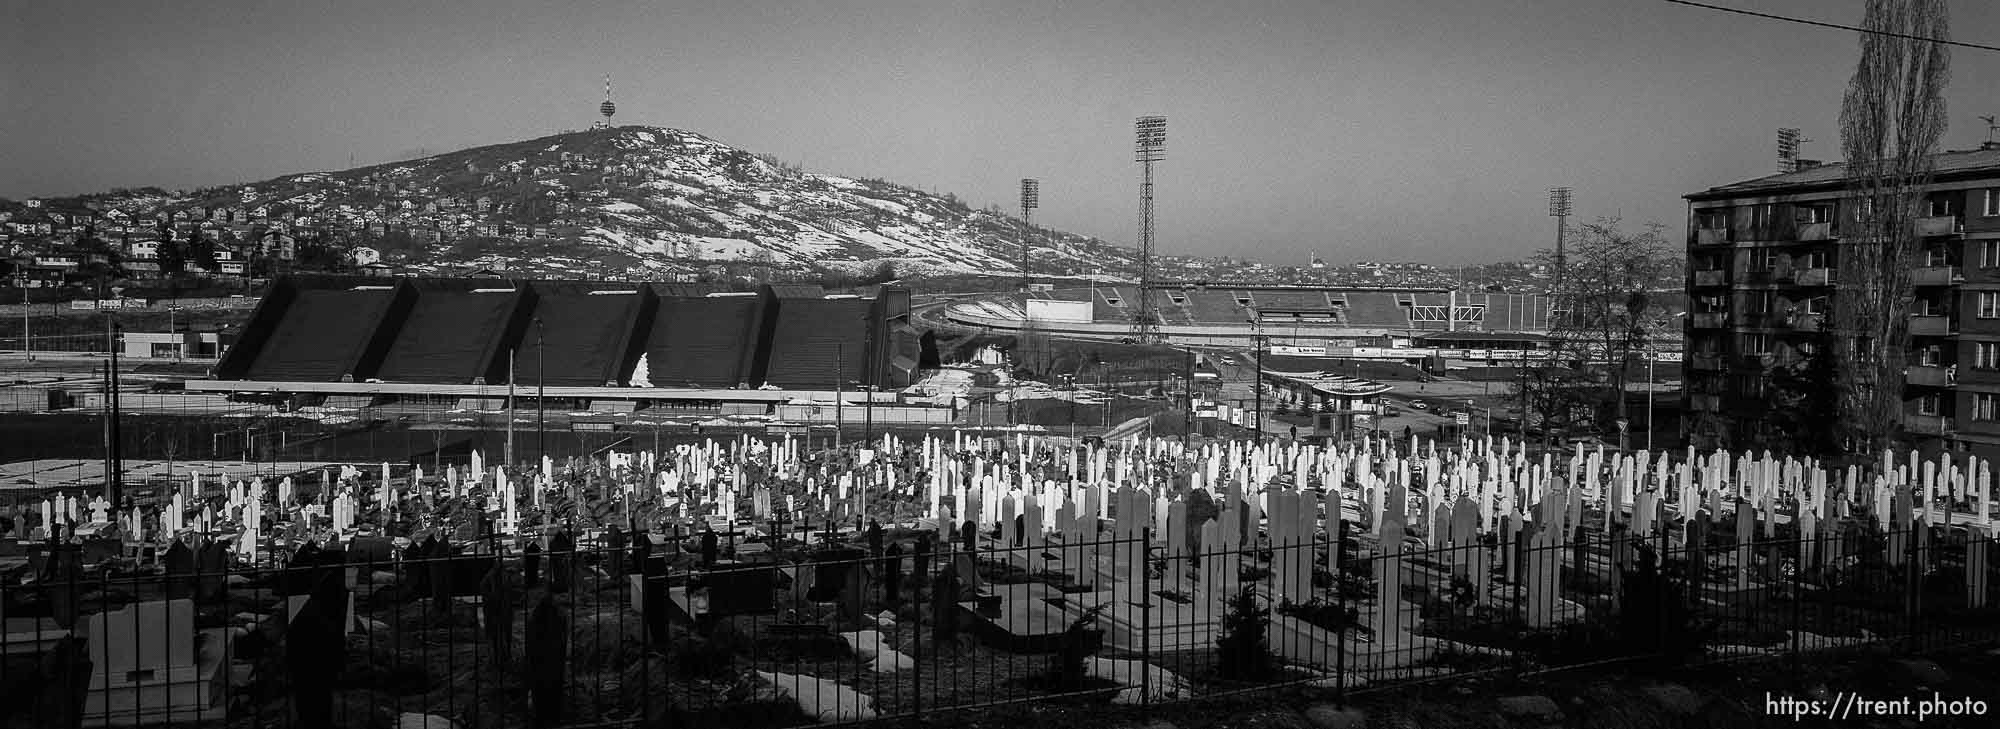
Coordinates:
x,y
352,214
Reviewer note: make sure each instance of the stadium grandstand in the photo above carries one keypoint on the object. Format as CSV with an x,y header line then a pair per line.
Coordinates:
x,y
1394,323
365,339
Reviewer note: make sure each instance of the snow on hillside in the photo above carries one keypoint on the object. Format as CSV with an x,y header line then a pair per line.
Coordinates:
x,y
637,199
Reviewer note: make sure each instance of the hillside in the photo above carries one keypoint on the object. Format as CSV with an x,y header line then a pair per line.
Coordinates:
x,y
625,201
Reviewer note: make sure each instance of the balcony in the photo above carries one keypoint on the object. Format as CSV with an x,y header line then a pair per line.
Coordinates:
x,y
1933,425
1708,319
1815,231
1711,278
1931,326
1801,321
1935,276
1705,362
1938,225
1711,236
1927,376
1813,277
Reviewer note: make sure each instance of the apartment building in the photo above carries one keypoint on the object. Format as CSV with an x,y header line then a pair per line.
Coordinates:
x,y
1764,259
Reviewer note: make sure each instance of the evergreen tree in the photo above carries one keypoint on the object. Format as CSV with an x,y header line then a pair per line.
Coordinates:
x,y
1245,655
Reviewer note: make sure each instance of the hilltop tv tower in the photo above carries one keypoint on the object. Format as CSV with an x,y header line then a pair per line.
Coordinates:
x,y
1151,147
607,108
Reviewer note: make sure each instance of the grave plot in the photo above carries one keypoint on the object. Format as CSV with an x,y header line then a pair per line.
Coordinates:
x,y
906,575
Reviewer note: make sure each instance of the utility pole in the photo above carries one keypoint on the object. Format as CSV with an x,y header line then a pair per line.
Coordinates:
x,y
1187,400
839,395
1257,381
868,413
541,393
114,478
513,354
1651,358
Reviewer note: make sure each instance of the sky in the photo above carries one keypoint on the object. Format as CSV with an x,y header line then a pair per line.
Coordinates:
x,y
1413,130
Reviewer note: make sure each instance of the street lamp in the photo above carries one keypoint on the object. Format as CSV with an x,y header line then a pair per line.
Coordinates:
x,y
1069,380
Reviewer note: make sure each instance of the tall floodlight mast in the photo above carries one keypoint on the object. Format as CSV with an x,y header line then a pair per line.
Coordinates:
x,y
1151,147
1559,209
1031,198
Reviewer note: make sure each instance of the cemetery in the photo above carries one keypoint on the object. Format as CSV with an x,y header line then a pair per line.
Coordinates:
x,y
756,582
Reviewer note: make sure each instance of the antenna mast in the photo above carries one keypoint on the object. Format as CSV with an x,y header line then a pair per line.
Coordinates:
x,y
1789,141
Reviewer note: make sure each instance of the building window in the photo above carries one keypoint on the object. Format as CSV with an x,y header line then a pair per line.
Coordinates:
x,y
1985,406
1987,356
1992,197
1760,302
1928,404
1764,260
1989,304
1757,344
1937,256
1941,207
1989,253
1819,258
1712,219
1815,213
1816,305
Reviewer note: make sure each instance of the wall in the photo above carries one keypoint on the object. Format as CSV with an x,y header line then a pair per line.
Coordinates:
x,y
857,414
1075,312
90,307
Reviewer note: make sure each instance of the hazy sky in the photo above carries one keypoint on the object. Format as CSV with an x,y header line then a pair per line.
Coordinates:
x,y
1386,129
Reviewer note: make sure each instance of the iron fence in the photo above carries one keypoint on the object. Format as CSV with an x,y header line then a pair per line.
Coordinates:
x,y
742,629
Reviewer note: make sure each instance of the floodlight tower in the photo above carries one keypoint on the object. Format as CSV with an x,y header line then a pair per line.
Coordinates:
x,y
1559,209
1151,147
1031,198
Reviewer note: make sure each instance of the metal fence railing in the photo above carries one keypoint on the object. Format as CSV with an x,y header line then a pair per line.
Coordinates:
x,y
744,630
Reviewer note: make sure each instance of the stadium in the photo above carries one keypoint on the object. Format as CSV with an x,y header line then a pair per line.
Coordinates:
x,y
1402,324
357,342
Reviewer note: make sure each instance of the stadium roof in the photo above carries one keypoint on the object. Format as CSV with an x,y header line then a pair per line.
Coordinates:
x,y
484,331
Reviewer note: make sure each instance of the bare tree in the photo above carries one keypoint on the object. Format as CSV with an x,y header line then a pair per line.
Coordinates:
x,y
1613,306
1033,350
1890,122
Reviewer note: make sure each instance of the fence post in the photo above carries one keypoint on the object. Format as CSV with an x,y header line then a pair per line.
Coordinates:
x,y
1145,625
1798,594
917,641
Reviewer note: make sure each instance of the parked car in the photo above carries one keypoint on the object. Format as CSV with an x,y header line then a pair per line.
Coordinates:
x,y
1419,405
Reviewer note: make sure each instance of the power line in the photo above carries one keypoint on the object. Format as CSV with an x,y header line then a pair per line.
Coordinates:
x,y
1836,26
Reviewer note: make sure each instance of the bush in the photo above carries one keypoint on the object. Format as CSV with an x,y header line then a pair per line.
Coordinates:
x,y
1079,643
1654,616
1243,652
711,656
